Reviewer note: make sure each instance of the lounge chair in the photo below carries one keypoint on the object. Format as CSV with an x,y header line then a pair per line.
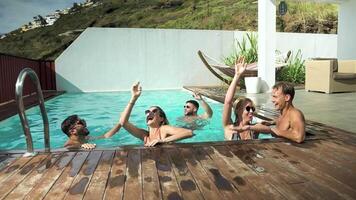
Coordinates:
x,y
330,75
229,71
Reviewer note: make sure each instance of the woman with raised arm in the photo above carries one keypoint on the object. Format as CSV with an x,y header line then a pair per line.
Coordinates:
x,y
159,130
241,128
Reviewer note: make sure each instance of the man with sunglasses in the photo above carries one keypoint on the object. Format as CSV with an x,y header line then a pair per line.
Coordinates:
x,y
291,123
78,133
191,112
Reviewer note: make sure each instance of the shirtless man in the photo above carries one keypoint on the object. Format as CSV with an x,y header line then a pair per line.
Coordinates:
x,y
191,119
191,108
76,130
290,124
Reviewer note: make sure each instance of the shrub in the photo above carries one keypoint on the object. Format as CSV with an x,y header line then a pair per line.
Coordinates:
x,y
294,72
246,48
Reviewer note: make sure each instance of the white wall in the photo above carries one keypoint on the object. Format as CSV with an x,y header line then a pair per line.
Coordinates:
x,y
311,45
107,59
347,30
111,59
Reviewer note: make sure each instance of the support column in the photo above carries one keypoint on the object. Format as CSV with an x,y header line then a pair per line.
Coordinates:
x,y
266,43
346,39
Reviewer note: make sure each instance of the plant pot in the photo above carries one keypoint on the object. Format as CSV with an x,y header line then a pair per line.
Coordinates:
x,y
253,84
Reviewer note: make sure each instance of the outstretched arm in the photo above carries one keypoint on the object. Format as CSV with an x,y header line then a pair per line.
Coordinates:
x,y
240,67
135,93
208,111
170,133
296,131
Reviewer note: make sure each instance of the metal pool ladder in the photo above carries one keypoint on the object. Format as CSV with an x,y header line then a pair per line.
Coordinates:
x,y
21,108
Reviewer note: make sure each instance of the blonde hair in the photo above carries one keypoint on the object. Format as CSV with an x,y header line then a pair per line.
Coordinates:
x,y
238,106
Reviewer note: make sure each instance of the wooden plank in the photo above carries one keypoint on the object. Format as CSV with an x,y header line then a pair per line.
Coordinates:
x,y
98,181
337,170
246,190
61,186
13,168
133,185
49,178
82,180
313,171
250,176
222,183
339,152
116,182
33,178
312,188
238,173
279,180
206,186
13,181
151,188
187,184
167,179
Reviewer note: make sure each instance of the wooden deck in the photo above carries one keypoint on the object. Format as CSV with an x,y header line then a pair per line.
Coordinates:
x,y
320,168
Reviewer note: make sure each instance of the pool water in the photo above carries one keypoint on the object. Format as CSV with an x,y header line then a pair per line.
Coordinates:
x,y
101,112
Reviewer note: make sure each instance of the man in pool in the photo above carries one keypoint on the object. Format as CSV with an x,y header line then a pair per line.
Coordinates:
x,y
291,123
191,116
78,134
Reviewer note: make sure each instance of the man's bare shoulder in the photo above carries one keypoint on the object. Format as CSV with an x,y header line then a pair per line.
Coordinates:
x,y
296,114
71,144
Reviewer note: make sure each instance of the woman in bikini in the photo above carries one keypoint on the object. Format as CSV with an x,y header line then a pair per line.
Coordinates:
x,y
243,109
159,130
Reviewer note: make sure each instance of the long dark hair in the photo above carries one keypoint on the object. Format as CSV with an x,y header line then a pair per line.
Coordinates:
x,y
162,114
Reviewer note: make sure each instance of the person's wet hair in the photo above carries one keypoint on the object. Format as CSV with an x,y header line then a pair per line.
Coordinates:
x,y
195,103
68,123
286,88
239,106
162,114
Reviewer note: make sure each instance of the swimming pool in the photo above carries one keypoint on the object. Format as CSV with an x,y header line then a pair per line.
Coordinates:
x,y
101,111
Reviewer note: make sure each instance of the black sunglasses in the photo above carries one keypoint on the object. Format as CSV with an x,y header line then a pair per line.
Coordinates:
x,y
186,106
248,108
81,122
149,111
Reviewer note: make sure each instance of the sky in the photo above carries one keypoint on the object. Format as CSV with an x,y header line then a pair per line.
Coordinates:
x,y
15,13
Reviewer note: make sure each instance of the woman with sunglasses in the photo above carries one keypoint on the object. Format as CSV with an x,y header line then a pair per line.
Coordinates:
x,y
159,130
244,108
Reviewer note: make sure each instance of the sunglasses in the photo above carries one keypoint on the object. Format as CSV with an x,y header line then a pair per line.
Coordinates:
x,y
186,106
79,122
149,111
250,108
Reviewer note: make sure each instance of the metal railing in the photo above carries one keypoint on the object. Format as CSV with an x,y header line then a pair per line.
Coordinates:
x,y
21,108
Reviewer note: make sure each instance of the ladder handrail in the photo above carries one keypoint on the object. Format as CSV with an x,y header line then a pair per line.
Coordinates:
x,y
21,108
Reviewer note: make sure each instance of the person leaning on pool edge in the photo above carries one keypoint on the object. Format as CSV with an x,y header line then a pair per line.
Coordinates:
x,y
243,109
291,123
159,130
78,133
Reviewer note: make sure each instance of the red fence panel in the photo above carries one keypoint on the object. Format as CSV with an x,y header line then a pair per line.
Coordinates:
x,y
10,67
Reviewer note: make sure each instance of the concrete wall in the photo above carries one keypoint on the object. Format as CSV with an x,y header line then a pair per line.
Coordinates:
x,y
347,30
111,59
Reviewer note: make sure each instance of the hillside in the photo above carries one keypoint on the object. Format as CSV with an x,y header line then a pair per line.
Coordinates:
x,y
48,42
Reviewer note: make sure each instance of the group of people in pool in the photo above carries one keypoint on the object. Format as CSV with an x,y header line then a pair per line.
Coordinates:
x,y
290,124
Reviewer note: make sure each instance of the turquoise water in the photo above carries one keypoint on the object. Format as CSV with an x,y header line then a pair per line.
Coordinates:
x,y
101,111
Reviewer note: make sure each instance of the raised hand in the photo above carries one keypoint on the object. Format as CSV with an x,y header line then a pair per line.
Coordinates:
x,y
153,142
136,90
88,146
197,95
240,65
